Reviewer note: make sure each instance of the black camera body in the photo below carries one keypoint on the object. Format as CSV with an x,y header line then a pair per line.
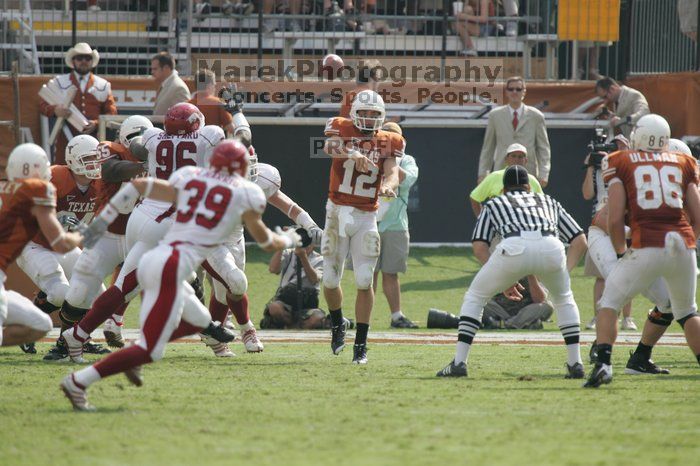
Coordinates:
x,y
598,148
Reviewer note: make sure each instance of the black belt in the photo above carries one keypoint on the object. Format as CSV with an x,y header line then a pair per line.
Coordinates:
x,y
517,233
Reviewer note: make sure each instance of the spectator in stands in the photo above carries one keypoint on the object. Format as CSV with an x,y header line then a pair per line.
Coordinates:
x,y
173,89
510,8
211,106
394,237
282,311
369,75
430,8
336,15
688,16
628,105
527,313
92,98
516,122
473,20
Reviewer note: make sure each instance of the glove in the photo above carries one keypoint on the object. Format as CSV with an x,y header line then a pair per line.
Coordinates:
x,y
94,232
316,235
232,100
290,237
68,222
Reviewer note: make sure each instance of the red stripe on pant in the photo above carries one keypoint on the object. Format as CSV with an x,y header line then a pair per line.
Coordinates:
x,y
163,307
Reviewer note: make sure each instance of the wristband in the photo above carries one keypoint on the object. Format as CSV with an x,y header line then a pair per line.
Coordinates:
x,y
57,239
267,242
289,211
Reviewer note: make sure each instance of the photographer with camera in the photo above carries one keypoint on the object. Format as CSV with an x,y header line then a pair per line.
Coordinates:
x,y
295,306
628,105
594,188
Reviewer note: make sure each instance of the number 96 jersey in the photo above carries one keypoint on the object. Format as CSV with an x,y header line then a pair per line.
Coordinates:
x,y
655,184
348,186
210,206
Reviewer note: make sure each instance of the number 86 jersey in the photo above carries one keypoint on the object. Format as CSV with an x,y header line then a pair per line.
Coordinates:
x,y
348,186
210,205
655,185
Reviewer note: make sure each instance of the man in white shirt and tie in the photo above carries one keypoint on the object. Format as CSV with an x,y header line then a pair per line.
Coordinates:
x,y
516,123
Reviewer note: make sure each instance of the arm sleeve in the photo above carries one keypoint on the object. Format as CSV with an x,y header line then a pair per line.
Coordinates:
x,y
116,171
544,152
484,229
488,148
568,228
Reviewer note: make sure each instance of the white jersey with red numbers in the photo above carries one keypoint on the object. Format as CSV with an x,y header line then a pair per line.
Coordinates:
x,y
168,153
209,208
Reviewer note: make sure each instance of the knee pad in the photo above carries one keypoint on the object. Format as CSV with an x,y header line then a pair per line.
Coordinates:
x,y
56,290
370,244
70,314
660,318
364,274
331,276
78,293
685,319
237,281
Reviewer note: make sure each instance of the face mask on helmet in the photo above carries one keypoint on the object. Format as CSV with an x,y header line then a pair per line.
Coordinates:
x,y
82,157
28,161
252,164
367,111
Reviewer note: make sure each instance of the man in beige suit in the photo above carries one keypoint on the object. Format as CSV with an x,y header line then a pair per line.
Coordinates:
x,y
516,123
172,90
629,105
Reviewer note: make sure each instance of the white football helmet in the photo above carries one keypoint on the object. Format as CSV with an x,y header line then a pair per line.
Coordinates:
x,y
368,101
676,145
83,158
651,133
133,126
28,161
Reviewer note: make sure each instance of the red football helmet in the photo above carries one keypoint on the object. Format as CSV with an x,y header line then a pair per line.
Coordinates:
x,y
183,118
230,156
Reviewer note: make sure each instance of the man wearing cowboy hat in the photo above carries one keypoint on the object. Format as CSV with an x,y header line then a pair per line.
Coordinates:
x,y
92,98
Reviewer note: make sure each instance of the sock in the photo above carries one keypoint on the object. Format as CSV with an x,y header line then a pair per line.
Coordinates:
x,y
361,333
573,354
120,361
247,326
86,377
217,310
239,309
336,317
118,315
396,315
644,350
81,333
462,352
604,353
101,309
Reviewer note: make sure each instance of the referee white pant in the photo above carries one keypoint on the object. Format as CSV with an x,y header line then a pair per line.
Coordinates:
x,y
514,258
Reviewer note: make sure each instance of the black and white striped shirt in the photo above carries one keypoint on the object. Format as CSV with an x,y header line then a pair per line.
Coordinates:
x,y
517,211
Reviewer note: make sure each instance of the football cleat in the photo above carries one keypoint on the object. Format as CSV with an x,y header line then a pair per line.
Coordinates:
x,y
591,325
403,322
359,353
593,353
453,370
75,345
338,338
76,394
628,324
113,333
94,348
251,341
600,374
29,348
58,353
135,375
575,371
219,333
221,350
639,365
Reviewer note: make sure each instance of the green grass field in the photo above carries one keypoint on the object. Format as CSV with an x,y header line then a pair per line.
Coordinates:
x,y
298,404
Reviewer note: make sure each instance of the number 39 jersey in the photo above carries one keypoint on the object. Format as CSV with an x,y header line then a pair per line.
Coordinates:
x,y
347,185
168,153
655,184
210,206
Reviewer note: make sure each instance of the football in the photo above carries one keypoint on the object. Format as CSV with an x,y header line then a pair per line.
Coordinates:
x,y
331,66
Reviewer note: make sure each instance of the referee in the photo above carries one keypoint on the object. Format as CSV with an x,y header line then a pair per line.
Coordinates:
x,y
533,228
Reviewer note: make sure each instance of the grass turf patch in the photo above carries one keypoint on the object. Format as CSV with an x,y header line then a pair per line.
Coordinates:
x,y
298,404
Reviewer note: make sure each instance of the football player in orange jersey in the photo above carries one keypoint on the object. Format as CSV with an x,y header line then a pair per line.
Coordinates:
x,y
95,264
658,191
75,197
364,167
28,202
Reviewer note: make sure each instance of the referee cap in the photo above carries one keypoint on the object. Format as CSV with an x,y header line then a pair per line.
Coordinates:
x,y
515,175
515,147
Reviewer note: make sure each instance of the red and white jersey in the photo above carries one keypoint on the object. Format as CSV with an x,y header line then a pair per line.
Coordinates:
x,y
71,200
210,206
168,153
17,223
655,184
348,186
